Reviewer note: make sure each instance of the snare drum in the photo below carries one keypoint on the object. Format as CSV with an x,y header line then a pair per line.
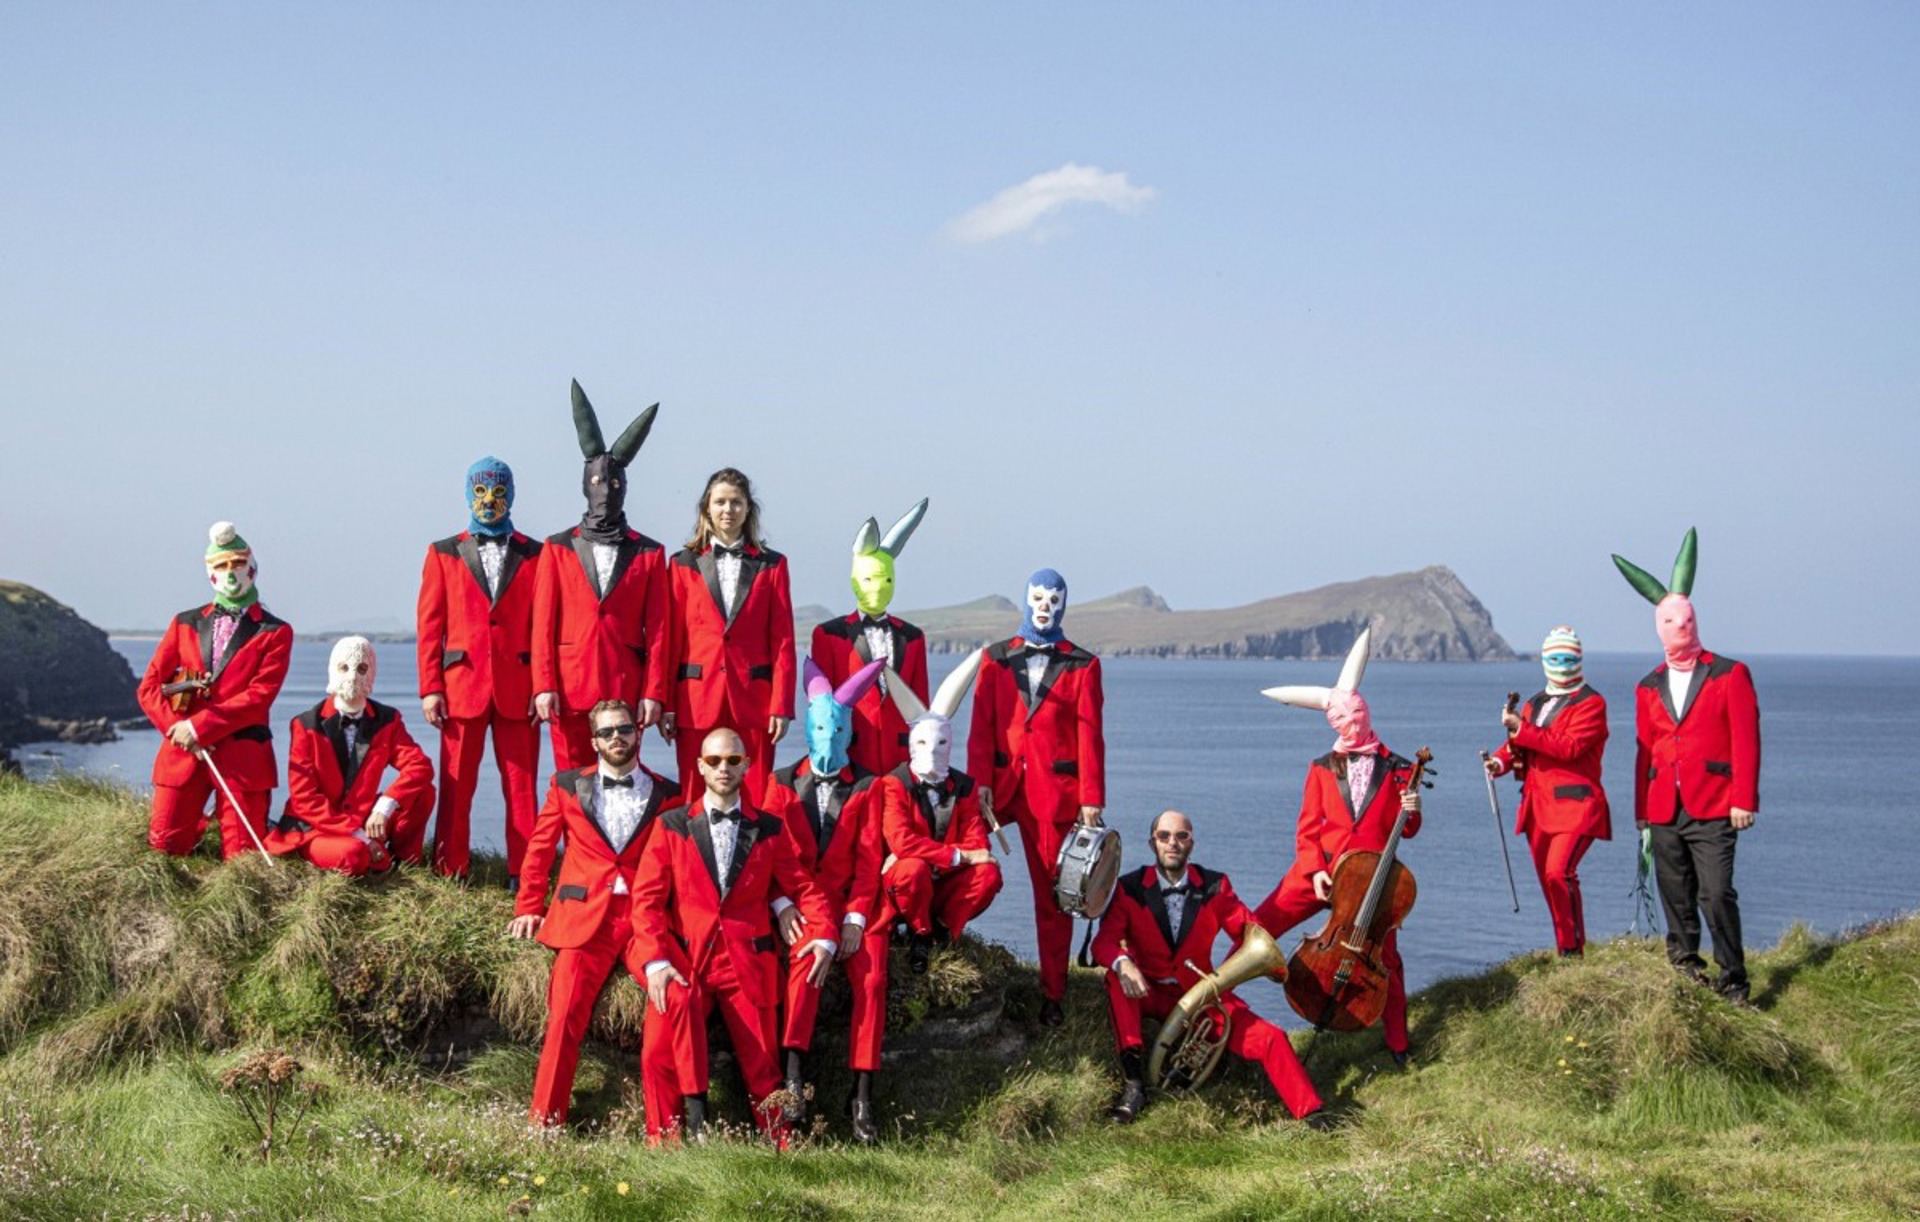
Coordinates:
x,y
1087,871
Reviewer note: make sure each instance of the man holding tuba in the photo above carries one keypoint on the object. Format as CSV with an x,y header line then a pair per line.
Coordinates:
x,y
1157,938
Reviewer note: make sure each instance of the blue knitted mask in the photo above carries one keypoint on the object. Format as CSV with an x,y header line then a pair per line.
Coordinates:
x,y
490,498
1046,608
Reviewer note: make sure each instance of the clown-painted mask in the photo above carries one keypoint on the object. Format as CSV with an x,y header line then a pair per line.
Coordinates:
x,y
829,733
1351,719
231,575
492,501
930,748
1679,634
350,670
1046,607
1562,669
873,583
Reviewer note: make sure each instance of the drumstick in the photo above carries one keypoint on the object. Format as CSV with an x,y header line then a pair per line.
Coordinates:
x,y
993,824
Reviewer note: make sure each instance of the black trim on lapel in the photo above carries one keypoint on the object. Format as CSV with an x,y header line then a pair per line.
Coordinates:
x,y
710,573
1157,906
749,834
335,728
469,550
248,628
202,622
583,549
701,829
519,549
630,547
583,794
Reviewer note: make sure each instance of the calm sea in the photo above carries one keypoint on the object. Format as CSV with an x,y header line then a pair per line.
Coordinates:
x,y
1835,844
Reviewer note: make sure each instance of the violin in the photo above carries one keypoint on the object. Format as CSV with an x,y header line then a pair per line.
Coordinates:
x,y
185,688
1337,979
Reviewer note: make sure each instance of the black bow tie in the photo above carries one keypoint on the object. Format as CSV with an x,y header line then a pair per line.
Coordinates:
x,y
732,816
1035,651
720,550
933,789
1180,889
220,612
617,782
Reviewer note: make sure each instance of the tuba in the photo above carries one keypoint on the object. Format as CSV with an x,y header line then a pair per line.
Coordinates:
x,y
1194,1036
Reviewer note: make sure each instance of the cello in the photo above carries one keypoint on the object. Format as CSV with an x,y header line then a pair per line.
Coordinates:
x,y
1337,979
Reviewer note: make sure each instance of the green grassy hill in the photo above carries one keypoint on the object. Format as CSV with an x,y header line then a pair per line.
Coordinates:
x,y
137,994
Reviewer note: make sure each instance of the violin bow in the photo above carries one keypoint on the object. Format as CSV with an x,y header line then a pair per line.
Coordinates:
x,y
1500,824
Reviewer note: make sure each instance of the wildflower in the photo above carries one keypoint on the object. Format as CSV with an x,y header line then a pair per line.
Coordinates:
x,y
621,1188
1563,1065
503,1179
1569,1039
539,1180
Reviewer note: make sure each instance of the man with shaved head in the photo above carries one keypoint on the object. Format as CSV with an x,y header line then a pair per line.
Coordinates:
x,y
703,924
1156,939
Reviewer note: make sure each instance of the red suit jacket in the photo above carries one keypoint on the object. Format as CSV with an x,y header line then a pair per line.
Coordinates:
x,y
1704,758
1047,746
907,823
680,917
475,650
590,648
320,801
747,660
879,732
1327,826
232,721
1559,767
591,864
1136,924
847,867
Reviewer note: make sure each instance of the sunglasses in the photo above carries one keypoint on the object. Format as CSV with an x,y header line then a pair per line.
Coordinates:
x,y
723,761
623,730
1173,837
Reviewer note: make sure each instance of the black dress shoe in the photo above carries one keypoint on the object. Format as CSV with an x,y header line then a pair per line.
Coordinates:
x,y
1318,1120
919,954
1133,1098
795,1111
513,884
1052,1013
1401,1057
696,1123
865,1131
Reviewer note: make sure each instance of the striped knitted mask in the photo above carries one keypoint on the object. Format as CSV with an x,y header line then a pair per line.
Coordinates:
x,y
1561,659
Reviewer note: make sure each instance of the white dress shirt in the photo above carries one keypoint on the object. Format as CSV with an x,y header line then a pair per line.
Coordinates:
x,y
620,811
1037,666
879,644
1359,779
493,562
605,556
1679,683
727,566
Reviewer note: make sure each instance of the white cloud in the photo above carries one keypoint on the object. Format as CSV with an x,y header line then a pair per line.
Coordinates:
x,y
1019,208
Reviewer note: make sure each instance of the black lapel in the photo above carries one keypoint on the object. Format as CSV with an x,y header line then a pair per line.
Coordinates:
x,y
583,794
583,548
629,548
860,647
1056,666
469,549
1020,680
203,628
1380,770
1664,686
336,731
245,630
363,741
750,568
517,551
828,820
1157,905
702,829
1337,765
807,789
1700,671
742,845
710,573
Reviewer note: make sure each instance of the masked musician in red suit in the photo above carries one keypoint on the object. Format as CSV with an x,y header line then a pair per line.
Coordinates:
x,y
1038,749
732,659
1555,744
1156,940
605,815
703,927
833,818
1354,796
224,662
1696,776
337,815
475,647
600,618
842,646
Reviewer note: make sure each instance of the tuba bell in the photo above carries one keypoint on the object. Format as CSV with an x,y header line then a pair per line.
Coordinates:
x,y
1194,1036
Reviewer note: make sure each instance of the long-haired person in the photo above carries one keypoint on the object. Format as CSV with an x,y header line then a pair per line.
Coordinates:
x,y
732,633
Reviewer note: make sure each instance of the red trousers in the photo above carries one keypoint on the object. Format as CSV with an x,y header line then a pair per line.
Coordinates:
x,y
579,973
354,857
180,816
673,1055
752,731
867,973
572,741
516,752
1293,902
921,895
1248,1036
1053,929
1556,861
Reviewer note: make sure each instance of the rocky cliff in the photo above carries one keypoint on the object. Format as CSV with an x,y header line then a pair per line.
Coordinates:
x,y
1425,616
59,678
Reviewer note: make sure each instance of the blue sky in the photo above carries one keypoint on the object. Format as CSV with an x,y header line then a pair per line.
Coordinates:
x,y
1324,291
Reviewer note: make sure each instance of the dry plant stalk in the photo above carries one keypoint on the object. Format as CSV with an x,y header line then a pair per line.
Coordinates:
x,y
266,1085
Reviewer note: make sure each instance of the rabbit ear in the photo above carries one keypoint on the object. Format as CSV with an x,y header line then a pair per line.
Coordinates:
x,y
903,529
858,683
814,681
1641,580
1685,562
630,441
867,540
1355,666
953,689
586,424
904,699
1300,697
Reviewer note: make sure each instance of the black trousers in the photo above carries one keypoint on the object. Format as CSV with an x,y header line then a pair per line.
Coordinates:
x,y
1693,863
